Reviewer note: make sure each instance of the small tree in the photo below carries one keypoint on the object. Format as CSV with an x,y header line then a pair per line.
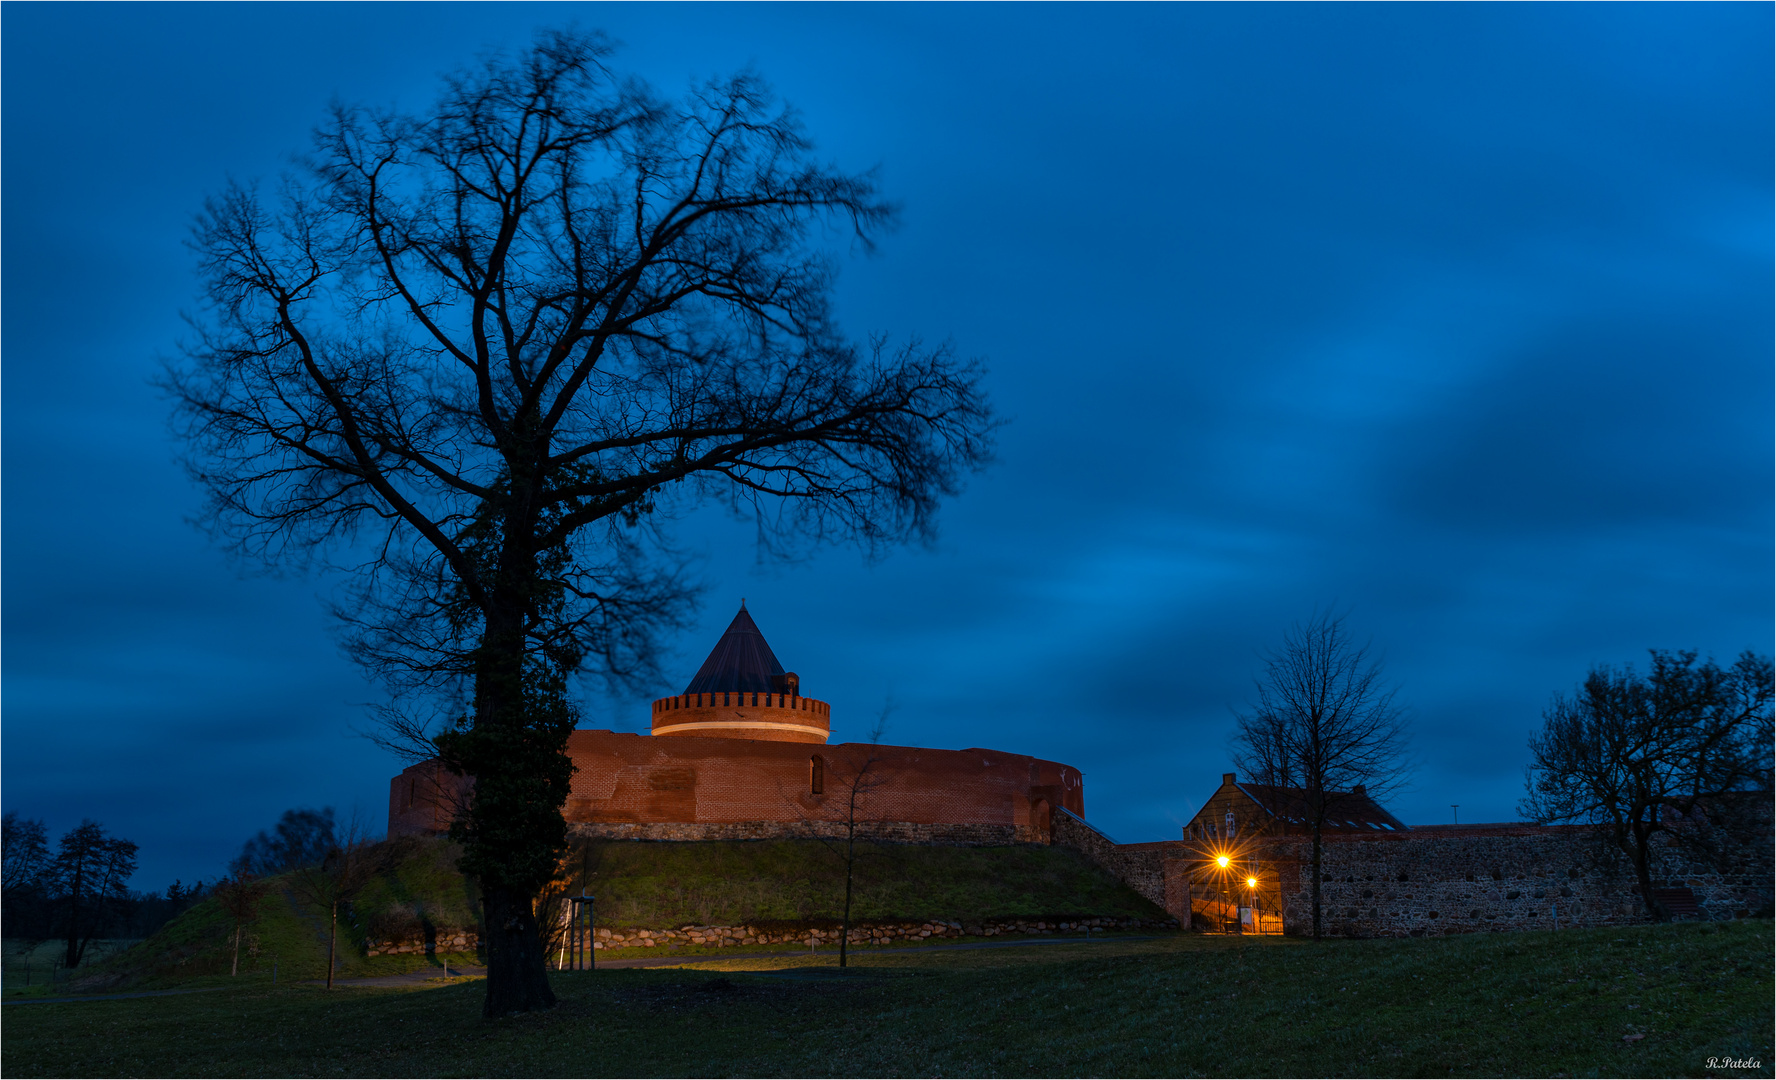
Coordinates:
x,y
334,881
854,780
302,837
1684,750
240,896
1324,722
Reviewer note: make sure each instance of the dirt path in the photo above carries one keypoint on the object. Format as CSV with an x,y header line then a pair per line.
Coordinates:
x,y
421,977
111,997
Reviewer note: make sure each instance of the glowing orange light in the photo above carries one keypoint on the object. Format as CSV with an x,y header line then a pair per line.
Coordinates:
x,y
1251,883
1222,861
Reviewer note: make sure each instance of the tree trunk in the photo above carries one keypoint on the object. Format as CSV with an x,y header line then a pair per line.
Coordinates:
x,y
235,968
72,959
332,929
1640,853
517,968
1316,879
850,861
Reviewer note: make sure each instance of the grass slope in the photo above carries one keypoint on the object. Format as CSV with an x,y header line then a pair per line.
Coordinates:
x,y
654,885
1525,1004
663,885
416,881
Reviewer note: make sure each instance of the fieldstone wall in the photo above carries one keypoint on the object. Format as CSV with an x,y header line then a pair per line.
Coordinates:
x,y
1455,880
864,933
445,941
1142,867
896,832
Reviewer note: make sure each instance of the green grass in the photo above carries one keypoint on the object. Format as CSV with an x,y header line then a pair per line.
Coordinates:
x,y
417,880
1526,1004
667,885
653,885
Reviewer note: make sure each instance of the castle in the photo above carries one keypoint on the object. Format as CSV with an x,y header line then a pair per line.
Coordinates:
x,y
743,754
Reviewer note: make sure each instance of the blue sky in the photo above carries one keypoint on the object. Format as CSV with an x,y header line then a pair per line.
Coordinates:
x,y
1454,316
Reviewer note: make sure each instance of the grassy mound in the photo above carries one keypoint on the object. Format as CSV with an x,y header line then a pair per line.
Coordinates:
x,y
417,888
659,885
415,884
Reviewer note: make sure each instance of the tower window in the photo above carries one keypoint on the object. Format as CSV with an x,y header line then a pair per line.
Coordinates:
x,y
817,774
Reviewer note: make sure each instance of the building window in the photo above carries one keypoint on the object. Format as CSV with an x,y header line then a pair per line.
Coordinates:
x,y
817,774
1232,826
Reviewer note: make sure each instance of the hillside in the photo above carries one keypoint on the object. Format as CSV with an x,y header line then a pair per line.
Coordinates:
x,y
638,884
415,882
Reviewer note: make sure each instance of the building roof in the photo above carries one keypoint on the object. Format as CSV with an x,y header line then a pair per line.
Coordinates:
x,y
1346,810
740,661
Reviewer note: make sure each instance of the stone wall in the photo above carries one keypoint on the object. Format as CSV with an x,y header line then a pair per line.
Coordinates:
x,y
446,941
1453,880
1142,867
898,832
874,932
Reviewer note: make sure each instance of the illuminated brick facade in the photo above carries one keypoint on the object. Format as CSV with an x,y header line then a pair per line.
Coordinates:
x,y
741,754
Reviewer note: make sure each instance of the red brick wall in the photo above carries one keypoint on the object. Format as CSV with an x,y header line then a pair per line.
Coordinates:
x,y
642,779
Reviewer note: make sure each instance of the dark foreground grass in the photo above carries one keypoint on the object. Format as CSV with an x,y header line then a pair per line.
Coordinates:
x,y
1531,1004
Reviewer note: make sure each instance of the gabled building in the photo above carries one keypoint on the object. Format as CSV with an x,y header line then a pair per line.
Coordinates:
x,y
1246,809
1234,878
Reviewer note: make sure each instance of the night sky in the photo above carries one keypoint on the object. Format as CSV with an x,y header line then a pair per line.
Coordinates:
x,y
1454,317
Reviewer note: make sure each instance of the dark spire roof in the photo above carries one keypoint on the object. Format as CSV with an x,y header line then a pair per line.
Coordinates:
x,y
740,661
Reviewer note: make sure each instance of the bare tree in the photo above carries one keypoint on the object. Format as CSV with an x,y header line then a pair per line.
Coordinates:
x,y
1323,723
240,896
89,876
341,874
302,837
25,867
854,778
1684,750
479,355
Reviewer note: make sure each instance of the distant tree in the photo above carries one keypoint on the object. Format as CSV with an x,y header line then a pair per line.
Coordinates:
x,y
485,349
1323,722
240,895
335,880
24,864
1684,750
302,837
89,878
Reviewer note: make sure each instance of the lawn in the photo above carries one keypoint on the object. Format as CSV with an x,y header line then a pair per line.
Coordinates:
x,y
1646,1001
725,883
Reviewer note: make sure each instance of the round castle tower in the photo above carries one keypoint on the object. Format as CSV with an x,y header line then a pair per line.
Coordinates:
x,y
742,692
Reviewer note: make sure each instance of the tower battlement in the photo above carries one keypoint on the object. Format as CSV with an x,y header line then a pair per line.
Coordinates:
x,y
743,714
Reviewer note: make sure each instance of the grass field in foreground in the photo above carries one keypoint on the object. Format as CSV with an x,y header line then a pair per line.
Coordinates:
x,y
1526,1004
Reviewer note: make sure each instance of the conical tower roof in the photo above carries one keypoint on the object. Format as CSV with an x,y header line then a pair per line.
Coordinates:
x,y
740,661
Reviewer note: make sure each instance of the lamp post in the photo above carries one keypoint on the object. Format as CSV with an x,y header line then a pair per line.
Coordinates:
x,y
1221,864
